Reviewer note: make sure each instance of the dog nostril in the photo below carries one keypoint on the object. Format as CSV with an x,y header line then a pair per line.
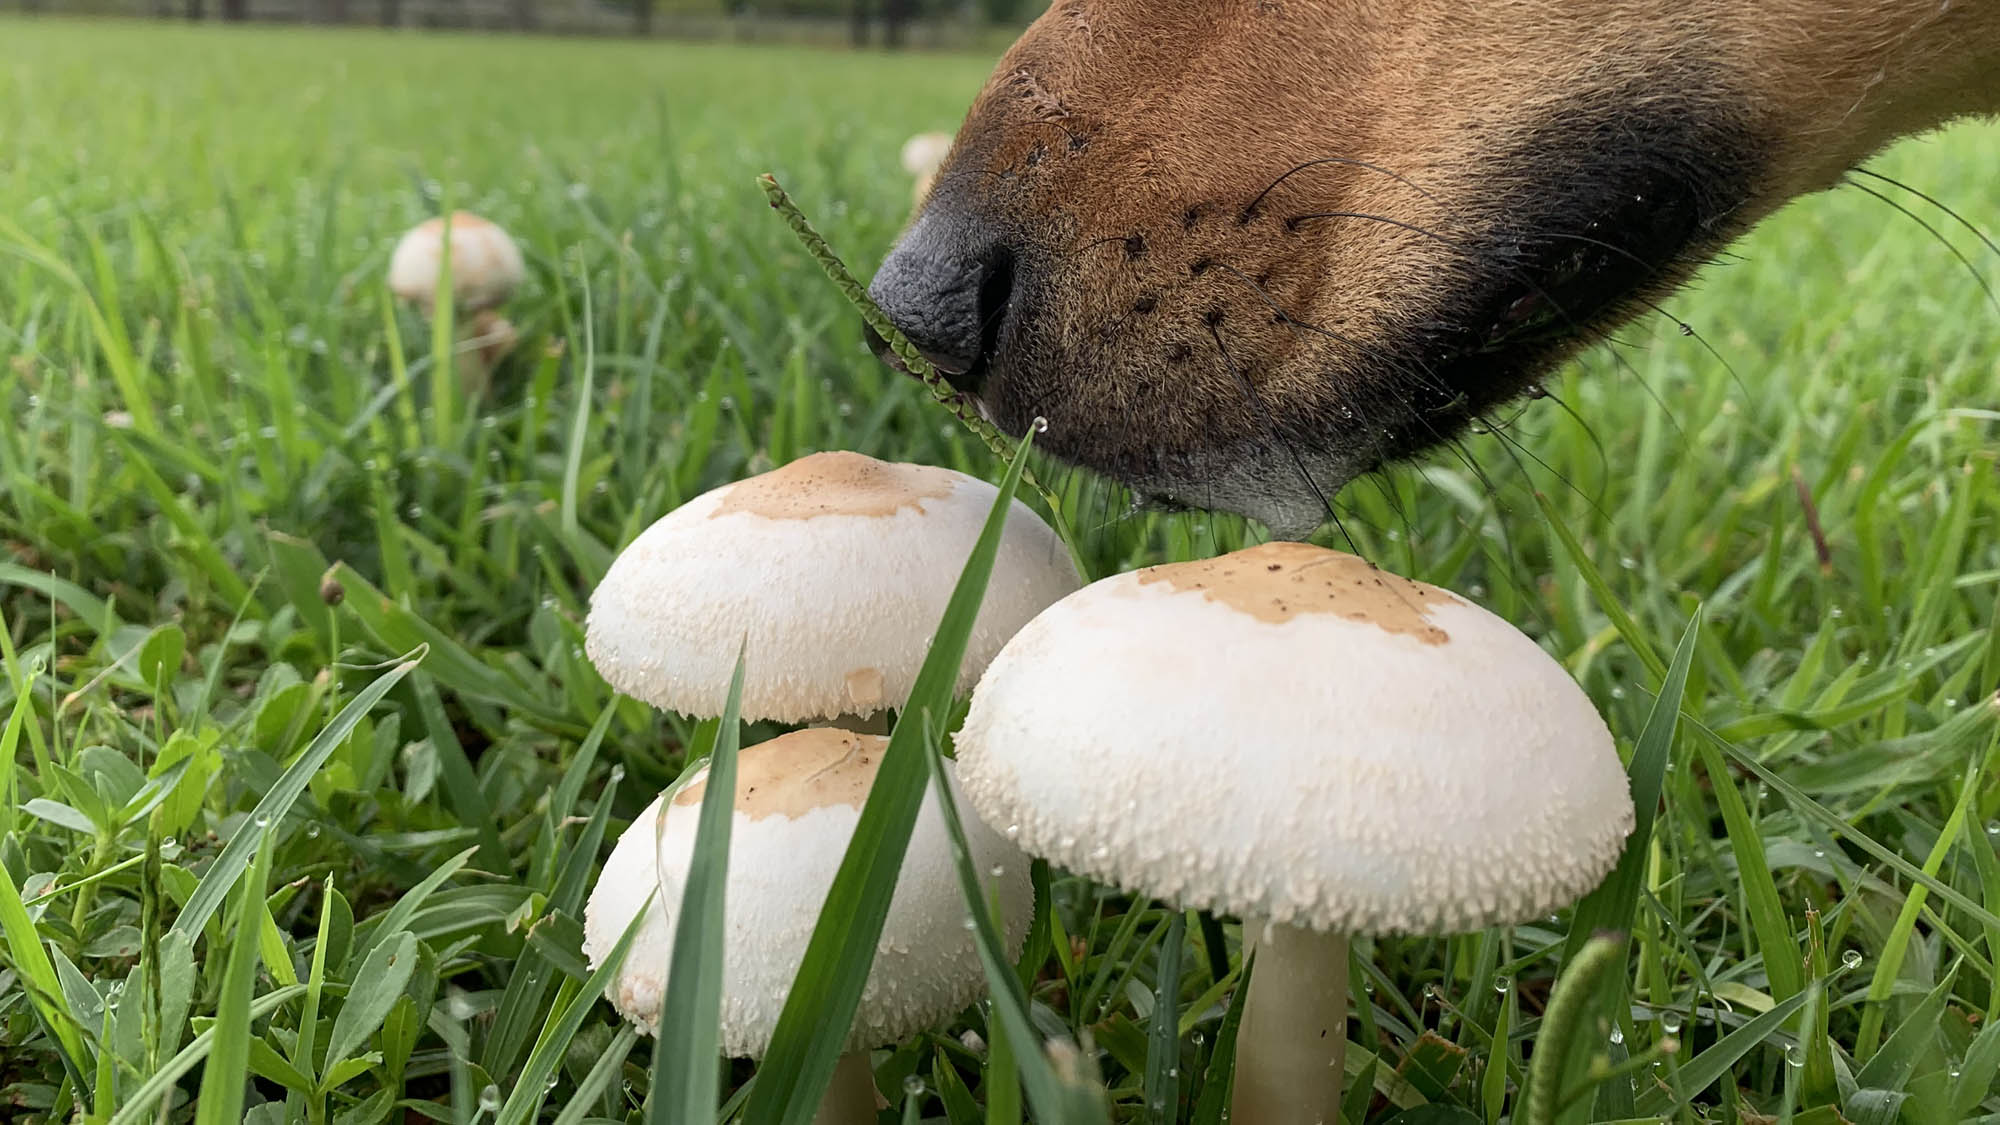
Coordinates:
x,y
996,295
949,284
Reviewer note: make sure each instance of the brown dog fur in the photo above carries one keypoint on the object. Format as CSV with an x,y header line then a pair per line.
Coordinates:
x,y
1498,182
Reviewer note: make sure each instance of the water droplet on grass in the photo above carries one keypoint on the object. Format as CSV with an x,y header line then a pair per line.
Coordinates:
x,y
1795,1055
489,1099
1670,1022
913,1087
1617,1035
1851,959
1502,983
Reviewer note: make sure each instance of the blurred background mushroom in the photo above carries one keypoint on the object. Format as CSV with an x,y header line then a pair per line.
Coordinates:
x,y
486,269
798,798
923,155
1293,736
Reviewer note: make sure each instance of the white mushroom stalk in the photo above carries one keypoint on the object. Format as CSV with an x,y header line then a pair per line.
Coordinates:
x,y
832,573
798,798
1362,754
486,269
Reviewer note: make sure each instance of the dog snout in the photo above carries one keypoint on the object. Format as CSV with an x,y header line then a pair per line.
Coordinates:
x,y
948,285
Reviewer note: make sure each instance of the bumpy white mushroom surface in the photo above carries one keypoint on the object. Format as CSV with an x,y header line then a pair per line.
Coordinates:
x,y
486,266
834,571
798,798
1288,733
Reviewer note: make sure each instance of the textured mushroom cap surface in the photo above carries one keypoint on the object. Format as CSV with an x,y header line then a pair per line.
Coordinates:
x,y
1288,733
834,572
798,798
486,266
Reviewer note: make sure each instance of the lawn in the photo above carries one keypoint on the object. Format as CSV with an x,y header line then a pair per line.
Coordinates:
x,y
239,501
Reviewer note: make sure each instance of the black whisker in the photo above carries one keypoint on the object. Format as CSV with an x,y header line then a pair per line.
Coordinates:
x,y
1939,235
1257,404
1251,209
1968,224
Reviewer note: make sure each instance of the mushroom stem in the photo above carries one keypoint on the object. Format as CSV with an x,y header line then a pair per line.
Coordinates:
x,y
1292,1048
852,1099
483,342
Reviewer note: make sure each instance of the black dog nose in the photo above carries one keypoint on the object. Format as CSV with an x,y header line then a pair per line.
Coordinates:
x,y
948,285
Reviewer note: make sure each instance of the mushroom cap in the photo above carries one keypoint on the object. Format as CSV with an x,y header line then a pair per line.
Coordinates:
x,y
833,571
1288,733
925,152
486,266
798,798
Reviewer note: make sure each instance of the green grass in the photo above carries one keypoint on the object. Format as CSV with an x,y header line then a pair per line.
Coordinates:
x,y
219,778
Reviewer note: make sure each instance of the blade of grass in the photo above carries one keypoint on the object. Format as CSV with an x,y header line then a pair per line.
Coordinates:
x,y
813,1026
1611,906
1890,964
226,1071
236,855
1776,939
1053,1098
37,976
688,1046
573,1003
1163,1044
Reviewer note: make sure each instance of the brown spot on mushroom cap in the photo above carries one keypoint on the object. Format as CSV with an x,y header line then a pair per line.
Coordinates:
x,y
1276,582
796,773
836,484
864,689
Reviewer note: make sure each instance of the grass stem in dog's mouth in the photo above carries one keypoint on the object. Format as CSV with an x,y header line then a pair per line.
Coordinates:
x,y
907,358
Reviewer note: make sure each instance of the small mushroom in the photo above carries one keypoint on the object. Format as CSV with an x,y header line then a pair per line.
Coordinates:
x,y
832,572
1293,736
486,269
798,798
923,155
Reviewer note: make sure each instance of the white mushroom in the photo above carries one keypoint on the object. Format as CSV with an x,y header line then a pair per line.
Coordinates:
x,y
798,798
923,155
1293,736
486,269
832,571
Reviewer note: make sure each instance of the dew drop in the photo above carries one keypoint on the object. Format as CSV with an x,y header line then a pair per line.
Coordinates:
x,y
1041,424
263,822
489,1099
1617,1035
1795,1055
1502,983
914,1087
1670,1022
1851,959
312,831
